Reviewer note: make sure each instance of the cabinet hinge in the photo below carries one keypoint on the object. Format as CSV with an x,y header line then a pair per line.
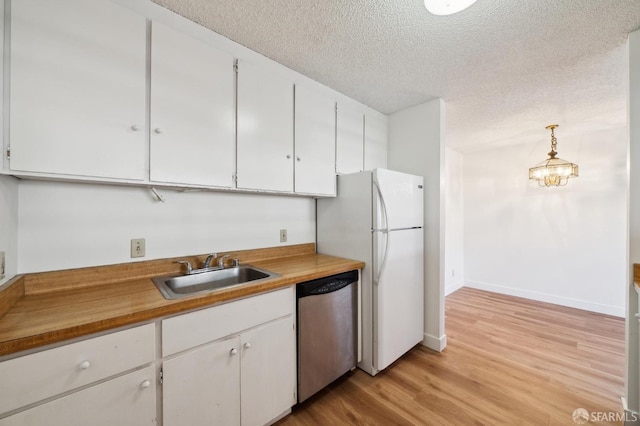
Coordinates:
x,y
235,66
8,152
161,376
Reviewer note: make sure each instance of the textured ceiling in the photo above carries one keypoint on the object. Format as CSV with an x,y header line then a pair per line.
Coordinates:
x,y
505,68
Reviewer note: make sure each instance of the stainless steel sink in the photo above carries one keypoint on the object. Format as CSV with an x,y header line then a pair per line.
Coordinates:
x,y
175,287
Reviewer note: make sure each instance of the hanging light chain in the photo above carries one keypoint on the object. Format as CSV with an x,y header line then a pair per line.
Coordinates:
x,y
554,141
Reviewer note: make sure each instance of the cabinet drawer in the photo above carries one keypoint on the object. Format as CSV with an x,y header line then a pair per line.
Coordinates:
x,y
193,329
129,400
34,377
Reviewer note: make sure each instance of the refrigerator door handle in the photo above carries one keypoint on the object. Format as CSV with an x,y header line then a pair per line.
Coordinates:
x,y
384,231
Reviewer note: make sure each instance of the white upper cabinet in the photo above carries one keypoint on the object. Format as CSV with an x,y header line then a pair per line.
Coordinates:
x,y
350,140
77,89
265,130
112,91
375,141
192,111
315,143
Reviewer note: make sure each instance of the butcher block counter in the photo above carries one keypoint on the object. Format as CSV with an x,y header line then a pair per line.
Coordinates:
x,y
40,309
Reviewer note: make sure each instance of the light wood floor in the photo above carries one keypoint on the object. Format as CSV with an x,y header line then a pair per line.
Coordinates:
x,y
509,361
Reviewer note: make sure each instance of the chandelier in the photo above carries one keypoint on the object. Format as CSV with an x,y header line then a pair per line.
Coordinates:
x,y
553,171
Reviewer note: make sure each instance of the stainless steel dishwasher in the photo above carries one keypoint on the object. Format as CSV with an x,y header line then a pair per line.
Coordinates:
x,y
327,331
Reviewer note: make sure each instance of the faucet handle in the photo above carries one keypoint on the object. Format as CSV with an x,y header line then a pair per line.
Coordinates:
x,y
221,260
236,262
186,262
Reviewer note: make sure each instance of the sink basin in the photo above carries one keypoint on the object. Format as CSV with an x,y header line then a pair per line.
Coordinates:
x,y
175,287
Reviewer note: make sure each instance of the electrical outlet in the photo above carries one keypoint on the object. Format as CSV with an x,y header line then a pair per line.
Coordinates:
x,y
2,270
283,235
137,247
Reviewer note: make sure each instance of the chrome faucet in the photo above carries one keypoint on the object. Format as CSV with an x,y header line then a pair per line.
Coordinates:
x,y
206,266
207,261
221,261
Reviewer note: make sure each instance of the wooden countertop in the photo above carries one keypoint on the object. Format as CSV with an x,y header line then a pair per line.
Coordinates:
x,y
37,318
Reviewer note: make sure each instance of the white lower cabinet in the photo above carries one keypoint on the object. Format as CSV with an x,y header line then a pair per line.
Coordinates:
x,y
202,387
129,400
247,377
231,364
267,372
83,383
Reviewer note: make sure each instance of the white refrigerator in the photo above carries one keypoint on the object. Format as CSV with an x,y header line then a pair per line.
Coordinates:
x,y
377,218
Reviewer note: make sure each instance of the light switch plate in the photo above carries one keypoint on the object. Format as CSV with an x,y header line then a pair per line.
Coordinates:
x,y
137,247
283,235
2,265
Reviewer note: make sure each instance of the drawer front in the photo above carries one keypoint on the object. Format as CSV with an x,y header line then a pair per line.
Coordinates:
x,y
193,329
34,377
128,400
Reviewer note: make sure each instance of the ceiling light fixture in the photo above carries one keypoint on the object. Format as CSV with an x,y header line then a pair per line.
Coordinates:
x,y
447,7
553,171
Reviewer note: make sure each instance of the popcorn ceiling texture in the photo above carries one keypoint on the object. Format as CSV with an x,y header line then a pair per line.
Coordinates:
x,y
505,68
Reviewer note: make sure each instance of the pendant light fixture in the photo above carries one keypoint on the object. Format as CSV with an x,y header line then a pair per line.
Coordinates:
x,y
553,171
447,7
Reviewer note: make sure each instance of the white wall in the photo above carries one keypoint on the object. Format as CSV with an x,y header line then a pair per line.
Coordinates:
x,y
564,245
416,146
68,225
632,385
9,224
454,224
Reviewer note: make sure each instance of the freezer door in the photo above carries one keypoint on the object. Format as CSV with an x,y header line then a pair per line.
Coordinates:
x,y
398,295
399,200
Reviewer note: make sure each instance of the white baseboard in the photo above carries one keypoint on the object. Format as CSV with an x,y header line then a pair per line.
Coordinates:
x,y
618,311
631,417
453,287
435,343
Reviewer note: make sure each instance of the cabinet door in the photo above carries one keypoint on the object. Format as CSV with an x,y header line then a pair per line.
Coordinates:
x,y
268,371
202,387
45,374
129,400
375,141
315,143
77,103
350,140
265,130
192,110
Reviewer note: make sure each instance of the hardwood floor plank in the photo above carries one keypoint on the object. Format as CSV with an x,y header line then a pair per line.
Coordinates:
x,y
509,361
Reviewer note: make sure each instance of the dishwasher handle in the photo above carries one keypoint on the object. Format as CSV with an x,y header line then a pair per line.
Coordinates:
x,y
326,285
